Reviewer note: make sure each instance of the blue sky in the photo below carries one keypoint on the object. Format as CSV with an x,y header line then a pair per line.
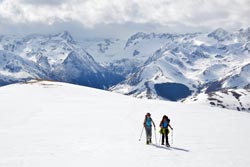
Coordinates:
x,y
100,18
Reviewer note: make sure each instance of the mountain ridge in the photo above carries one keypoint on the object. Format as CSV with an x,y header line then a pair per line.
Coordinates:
x,y
140,66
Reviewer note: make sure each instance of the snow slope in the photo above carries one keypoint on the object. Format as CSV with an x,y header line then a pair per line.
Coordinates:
x,y
236,99
56,124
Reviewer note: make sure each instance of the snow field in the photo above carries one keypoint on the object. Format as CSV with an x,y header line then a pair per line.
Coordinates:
x,y
58,124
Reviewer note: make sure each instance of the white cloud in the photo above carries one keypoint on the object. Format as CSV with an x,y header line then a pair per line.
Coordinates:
x,y
42,2
90,13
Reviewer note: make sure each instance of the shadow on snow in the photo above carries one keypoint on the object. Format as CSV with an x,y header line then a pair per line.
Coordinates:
x,y
169,148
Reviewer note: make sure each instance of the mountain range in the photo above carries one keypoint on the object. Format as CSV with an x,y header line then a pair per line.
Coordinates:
x,y
193,67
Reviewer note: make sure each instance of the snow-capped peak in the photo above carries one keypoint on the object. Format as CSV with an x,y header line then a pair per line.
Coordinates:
x,y
67,36
55,57
218,34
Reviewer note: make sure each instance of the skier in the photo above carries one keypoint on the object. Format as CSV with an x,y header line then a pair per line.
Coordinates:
x,y
165,123
148,127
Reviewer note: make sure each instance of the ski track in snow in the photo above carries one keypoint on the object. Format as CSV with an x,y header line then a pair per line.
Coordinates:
x,y
58,124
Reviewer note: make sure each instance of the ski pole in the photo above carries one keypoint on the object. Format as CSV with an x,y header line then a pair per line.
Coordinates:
x,y
172,136
160,139
141,133
155,137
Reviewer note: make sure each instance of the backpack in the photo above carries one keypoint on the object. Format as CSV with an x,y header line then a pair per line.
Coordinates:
x,y
167,123
148,122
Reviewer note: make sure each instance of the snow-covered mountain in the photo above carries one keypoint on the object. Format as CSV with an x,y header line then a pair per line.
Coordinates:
x,y
125,56
13,68
156,66
138,46
236,99
63,126
192,63
55,57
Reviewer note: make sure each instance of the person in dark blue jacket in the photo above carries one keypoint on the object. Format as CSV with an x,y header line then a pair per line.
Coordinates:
x,y
165,123
148,121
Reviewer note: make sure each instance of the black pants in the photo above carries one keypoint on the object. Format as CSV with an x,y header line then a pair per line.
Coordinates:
x,y
165,136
